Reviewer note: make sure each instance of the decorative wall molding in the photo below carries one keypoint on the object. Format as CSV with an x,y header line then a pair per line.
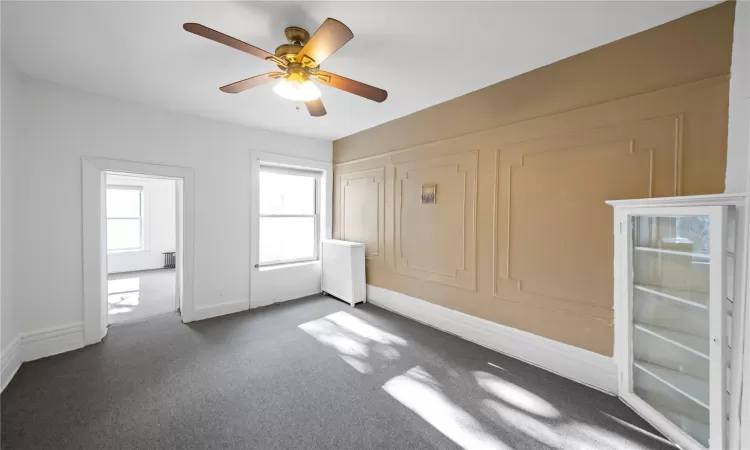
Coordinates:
x,y
11,361
377,177
208,312
556,278
51,341
460,172
650,148
577,364
39,344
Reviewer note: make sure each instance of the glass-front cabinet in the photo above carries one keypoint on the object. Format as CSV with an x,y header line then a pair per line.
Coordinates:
x,y
674,293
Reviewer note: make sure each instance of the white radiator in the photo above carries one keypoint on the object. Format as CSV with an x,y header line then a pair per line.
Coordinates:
x,y
344,270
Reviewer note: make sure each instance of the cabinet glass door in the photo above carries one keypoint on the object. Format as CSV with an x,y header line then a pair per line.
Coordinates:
x,y
671,318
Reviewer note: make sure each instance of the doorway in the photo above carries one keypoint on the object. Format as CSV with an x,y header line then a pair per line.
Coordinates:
x,y
141,218
94,172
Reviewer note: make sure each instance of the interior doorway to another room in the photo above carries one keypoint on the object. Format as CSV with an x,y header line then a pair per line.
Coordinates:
x,y
141,246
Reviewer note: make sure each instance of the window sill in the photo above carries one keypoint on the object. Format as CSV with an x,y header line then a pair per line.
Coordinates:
x,y
287,265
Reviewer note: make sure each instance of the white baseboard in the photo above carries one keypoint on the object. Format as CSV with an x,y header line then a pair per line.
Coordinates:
x,y
221,309
51,341
261,304
577,364
274,301
11,361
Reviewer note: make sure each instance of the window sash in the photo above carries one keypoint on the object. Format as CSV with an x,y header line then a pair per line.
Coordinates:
x,y
270,168
314,239
138,218
291,190
316,208
140,234
128,188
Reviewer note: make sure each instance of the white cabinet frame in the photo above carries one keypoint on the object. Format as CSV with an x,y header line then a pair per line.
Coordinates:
x,y
716,208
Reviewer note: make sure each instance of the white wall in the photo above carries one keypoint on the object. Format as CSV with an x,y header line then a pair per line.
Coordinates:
x,y
11,119
738,143
68,124
158,220
275,285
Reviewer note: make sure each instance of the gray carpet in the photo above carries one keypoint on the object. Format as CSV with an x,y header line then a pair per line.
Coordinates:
x,y
142,294
308,374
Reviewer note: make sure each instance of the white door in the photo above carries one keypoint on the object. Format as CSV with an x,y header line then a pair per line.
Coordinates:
x,y
671,346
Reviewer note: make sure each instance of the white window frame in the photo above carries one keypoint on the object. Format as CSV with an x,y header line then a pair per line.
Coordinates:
x,y
141,218
312,173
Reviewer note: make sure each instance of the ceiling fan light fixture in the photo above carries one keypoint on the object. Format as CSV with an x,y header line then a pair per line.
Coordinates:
x,y
298,88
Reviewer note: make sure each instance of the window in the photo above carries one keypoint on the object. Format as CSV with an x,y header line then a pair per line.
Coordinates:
x,y
288,215
124,218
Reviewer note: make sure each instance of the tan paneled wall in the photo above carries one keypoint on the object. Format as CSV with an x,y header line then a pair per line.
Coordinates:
x,y
519,233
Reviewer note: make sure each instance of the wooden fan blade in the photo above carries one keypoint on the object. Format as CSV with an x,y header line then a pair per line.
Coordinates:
x,y
316,108
331,36
352,86
251,82
222,38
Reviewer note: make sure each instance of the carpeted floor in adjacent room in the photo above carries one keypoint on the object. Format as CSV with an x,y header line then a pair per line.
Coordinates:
x,y
308,374
138,295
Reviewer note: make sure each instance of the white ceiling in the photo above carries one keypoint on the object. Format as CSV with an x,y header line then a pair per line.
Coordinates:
x,y
422,53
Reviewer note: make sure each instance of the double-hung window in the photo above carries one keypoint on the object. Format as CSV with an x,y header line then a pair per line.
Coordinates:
x,y
124,218
288,215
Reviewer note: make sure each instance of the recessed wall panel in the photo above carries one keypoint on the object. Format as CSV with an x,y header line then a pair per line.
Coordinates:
x,y
436,241
553,248
361,210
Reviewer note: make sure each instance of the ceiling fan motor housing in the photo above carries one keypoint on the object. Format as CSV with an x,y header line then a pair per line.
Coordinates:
x,y
297,35
288,51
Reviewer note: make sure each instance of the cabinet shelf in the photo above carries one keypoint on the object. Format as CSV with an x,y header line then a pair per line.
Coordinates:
x,y
701,431
703,256
694,344
693,388
697,299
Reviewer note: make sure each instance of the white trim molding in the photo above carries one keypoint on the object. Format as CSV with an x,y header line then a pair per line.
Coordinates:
x,y
686,200
39,344
95,237
51,341
582,366
208,312
11,361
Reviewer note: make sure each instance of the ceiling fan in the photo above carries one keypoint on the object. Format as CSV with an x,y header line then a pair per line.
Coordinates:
x,y
299,62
